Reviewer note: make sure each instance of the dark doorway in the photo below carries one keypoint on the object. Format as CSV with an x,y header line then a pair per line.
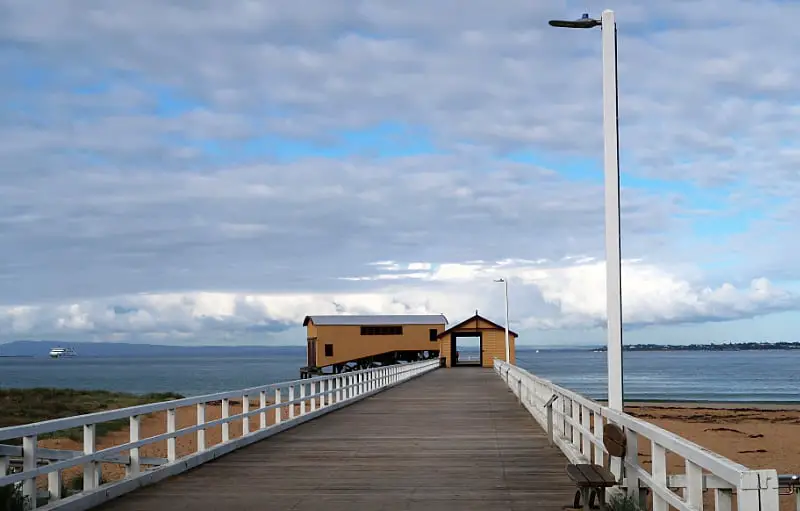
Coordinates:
x,y
311,354
466,349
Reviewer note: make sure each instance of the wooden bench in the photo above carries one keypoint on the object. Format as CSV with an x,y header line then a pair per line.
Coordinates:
x,y
591,479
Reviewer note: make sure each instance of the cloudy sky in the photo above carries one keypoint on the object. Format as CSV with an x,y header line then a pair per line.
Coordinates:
x,y
210,172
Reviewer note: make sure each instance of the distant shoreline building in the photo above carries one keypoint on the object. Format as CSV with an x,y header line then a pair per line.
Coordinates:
x,y
342,343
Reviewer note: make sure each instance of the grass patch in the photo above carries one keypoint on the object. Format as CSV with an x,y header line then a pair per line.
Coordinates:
x,y
23,406
11,498
624,503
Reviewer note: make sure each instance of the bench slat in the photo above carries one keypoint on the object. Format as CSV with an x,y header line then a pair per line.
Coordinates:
x,y
588,475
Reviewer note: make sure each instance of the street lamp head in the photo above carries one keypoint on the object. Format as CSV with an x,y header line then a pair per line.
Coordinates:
x,y
499,280
584,22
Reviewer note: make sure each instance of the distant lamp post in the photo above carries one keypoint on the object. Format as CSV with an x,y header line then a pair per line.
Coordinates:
x,y
612,206
508,351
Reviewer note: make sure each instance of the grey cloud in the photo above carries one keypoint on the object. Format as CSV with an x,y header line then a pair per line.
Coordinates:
x,y
101,196
242,227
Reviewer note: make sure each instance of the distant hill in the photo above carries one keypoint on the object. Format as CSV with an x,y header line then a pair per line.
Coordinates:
x,y
119,349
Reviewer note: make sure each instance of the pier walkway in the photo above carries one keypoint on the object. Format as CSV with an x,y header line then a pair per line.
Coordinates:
x,y
402,437
466,445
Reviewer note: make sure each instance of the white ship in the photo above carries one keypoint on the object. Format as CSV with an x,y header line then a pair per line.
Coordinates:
x,y
62,352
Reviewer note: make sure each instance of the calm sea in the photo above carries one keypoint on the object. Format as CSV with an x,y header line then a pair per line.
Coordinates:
x,y
747,376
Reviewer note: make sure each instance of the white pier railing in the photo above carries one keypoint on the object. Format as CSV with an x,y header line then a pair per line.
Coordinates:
x,y
575,424
291,403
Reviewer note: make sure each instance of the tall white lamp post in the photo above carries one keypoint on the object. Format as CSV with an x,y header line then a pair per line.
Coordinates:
x,y
508,350
612,206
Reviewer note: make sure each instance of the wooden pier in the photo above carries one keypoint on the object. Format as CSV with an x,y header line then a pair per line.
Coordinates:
x,y
406,437
452,439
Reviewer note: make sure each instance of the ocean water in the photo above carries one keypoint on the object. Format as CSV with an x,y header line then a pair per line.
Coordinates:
x,y
745,376
724,376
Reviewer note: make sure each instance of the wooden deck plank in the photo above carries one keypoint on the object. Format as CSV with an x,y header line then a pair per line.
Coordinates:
x,y
454,439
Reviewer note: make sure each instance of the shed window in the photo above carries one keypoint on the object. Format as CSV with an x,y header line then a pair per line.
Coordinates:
x,y
381,330
433,334
329,350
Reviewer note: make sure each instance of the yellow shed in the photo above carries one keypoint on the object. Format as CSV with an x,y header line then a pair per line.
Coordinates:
x,y
347,342
491,338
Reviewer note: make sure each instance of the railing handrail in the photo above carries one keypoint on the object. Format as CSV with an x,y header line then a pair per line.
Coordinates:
x,y
685,448
581,444
53,425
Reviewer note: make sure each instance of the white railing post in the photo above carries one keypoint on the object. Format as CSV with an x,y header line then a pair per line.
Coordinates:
x,y
338,389
659,473
29,445
693,493
54,485
134,424
723,500
586,422
226,426
575,408
550,426
172,452
598,432
90,478
291,402
314,393
277,408
302,399
201,433
758,490
262,403
632,457
246,418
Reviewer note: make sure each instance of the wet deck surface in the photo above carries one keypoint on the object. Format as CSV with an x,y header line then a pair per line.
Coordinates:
x,y
455,439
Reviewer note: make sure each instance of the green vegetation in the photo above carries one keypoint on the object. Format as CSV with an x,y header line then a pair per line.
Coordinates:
x,y
11,498
624,503
23,406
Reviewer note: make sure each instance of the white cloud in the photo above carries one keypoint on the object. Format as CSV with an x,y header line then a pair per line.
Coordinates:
x,y
543,296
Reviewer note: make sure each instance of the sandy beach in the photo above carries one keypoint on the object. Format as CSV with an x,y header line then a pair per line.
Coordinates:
x,y
757,436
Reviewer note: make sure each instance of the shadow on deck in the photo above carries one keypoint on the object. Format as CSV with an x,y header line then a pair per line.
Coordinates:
x,y
452,439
